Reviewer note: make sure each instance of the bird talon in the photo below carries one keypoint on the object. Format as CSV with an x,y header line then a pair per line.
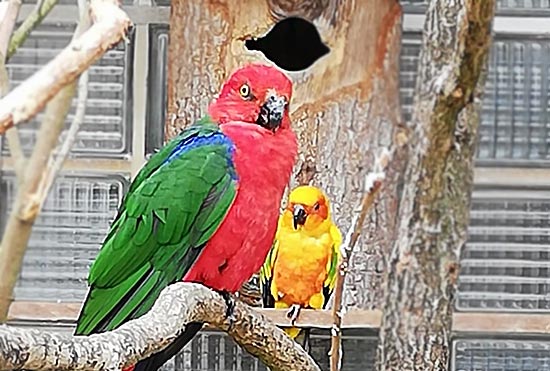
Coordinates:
x,y
293,313
230,310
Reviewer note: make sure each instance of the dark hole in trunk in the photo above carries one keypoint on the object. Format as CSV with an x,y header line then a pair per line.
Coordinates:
x,y
293,44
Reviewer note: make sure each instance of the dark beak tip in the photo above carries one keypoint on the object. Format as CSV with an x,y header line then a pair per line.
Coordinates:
x,y
299,216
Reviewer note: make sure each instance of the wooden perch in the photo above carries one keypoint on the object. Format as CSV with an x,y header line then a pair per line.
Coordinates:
x,y
177,305
25,101
373,183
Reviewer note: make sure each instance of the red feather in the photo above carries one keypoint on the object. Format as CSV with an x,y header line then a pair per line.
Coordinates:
x,y
264,162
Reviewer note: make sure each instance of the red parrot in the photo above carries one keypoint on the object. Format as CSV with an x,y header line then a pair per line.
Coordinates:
x,y
203,209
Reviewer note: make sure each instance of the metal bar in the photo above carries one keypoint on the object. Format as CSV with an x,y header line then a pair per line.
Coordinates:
x,y
140,15
141,62
524,177
81,164
502,25
470,322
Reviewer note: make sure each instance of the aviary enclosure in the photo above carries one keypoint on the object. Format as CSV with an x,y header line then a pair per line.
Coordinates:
x,y
362,87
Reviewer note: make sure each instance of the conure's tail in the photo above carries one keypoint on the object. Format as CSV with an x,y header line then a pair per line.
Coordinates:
x,y
301,336
155,361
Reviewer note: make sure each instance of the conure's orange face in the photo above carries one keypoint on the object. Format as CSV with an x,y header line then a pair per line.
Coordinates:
x,y
307,208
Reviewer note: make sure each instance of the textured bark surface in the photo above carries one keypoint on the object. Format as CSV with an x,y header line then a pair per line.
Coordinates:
x,y
434,212
177,305
345,107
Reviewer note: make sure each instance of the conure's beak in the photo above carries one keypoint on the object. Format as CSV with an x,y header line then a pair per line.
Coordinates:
x,y
271,112
299,215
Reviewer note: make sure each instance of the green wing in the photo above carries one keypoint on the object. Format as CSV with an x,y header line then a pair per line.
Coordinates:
x,y
333,265
174,205
266,276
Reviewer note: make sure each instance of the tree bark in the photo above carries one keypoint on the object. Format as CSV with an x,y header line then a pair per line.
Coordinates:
x,y
177,305
345,107
434,211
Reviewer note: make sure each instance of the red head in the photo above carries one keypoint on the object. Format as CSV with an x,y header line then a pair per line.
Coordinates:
x,y
255,94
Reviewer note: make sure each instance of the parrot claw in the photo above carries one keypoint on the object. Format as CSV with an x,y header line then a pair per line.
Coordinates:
x,y
293,313
230,303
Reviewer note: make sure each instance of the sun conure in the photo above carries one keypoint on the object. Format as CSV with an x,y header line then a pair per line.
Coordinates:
x,y
203,209
301,268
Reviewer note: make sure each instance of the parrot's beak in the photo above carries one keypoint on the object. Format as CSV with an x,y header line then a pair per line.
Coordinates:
x,y
299,216
271,112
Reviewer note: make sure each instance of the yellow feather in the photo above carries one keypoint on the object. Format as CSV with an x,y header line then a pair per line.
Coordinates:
x,y
307,258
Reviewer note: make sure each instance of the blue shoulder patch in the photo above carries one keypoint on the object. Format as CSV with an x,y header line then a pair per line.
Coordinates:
x,y
216,138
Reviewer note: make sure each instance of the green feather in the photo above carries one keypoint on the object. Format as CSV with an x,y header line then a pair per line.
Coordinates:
x,y
170,211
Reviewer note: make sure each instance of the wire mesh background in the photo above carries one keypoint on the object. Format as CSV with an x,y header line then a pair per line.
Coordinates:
x,y
504,265
105,131
515,125
66,236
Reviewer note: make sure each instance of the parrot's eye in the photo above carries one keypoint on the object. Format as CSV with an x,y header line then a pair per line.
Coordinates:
x,y
244,91
316,207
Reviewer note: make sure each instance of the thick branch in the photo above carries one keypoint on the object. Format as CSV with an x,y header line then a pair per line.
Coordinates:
x,y
25,101
178,304
27,203
434,212
38,177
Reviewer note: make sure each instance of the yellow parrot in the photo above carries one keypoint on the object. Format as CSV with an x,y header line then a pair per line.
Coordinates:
x,y
301,268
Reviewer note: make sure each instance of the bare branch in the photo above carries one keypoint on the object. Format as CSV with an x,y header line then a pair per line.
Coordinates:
x,y
27,204
25,101
178,304
9,11
41,10
55,164
32,192
373,184
8,16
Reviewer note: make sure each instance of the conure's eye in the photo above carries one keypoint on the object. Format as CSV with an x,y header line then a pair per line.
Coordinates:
x,y
316,207
244,91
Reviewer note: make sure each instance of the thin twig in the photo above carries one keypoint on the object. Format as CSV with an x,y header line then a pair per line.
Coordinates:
x,y
373,184
56,162
25,101
9,11
34,19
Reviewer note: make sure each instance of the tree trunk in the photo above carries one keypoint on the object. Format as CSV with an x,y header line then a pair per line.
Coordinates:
x,y
434,212
345,107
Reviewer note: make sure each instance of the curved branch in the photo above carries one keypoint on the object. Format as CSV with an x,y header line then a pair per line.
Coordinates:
x,y
178,304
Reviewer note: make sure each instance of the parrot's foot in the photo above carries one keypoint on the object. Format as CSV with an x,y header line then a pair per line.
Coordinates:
x,y
230,303
293,313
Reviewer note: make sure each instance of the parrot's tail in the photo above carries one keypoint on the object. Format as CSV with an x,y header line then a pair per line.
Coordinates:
x,y
301,336
155,361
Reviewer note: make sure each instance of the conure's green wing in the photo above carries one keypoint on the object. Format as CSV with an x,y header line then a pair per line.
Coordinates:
x,y
173,207
333,264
